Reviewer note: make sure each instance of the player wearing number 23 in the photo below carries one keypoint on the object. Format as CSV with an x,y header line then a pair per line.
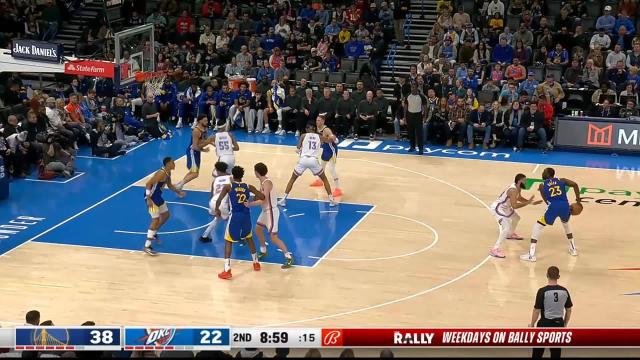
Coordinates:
x,y
554,192
239,225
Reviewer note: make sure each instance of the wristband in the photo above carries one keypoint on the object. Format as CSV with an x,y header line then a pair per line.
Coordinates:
x,y
147,192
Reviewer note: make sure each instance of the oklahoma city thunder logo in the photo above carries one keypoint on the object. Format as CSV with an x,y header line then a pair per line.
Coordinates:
x,y
158,337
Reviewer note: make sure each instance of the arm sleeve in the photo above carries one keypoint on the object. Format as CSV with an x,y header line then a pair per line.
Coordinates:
x,y
539,304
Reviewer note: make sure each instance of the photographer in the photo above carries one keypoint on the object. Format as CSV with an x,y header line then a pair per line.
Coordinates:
x,y
104,142
57,159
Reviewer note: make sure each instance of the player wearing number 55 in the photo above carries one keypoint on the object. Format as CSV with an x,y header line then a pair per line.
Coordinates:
x,y
554,192
239,225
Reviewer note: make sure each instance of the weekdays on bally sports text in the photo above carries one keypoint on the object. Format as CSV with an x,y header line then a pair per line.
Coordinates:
x,y
382,178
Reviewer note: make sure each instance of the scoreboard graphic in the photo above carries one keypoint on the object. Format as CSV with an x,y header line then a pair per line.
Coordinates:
x,y
176,338
67,338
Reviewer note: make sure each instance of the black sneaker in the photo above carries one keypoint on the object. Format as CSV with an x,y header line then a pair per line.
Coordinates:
x,y
205,239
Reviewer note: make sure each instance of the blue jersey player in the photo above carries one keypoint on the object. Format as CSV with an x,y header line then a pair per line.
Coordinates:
x,y
239,225
155,203
554,192
197,145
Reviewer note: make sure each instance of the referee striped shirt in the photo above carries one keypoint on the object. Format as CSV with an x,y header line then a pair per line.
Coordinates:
x,y
552,300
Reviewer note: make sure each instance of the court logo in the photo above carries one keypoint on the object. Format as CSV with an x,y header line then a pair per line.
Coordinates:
x,y
159,337
332,337
598,136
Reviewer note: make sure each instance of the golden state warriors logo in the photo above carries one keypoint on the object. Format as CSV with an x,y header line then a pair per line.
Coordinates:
x,y
50,336
159,337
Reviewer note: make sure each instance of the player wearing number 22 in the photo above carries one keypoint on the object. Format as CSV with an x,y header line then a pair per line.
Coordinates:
x,y
239,225
553,192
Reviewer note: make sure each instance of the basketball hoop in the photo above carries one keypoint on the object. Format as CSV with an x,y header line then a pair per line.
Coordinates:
x,y
153,81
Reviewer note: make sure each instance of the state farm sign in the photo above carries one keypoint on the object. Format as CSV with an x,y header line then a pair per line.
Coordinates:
x,y
103,69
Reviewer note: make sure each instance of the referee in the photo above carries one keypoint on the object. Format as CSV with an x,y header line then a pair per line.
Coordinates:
x,y
415,112
552,308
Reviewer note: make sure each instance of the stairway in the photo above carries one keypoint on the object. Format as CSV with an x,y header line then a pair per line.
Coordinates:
x,y
71,30
419,31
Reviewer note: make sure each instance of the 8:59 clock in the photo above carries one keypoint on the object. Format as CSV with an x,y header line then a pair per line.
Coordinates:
x,y
276,337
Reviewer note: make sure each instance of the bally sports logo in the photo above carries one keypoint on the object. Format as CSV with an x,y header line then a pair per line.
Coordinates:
x,y
103,69
158,337
332,337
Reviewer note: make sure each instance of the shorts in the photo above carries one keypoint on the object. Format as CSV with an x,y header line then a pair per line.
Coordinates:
x,y
159,207
224,207
308,162
501,213
193,160
230,160
556,210
269,219
238,227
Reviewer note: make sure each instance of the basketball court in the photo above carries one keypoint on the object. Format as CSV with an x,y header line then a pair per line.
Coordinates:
x,y
407,247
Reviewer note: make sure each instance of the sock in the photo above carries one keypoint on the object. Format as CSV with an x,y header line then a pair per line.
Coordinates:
x,y
254,256
147,243
263,249
285,196
330,197
532,249
151,234
179,185
209,228
336,182
227,264
287,255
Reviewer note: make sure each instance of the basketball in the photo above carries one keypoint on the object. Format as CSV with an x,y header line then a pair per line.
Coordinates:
x,y
576,208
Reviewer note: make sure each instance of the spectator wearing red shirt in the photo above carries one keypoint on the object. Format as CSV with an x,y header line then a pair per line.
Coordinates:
x,y
211,9
546,108
353,15
516,71
184,26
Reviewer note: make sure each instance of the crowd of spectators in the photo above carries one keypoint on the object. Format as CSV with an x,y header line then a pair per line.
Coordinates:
x,y
504,69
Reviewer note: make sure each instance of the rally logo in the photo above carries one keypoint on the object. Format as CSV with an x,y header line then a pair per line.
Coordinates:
x,y
159,337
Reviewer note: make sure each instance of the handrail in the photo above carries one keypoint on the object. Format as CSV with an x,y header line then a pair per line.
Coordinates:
x,y
391,60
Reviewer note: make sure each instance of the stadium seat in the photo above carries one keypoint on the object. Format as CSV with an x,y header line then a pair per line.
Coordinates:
x,y
594,8
513,22
539,72
352,78
347,65
361,63
318,76
486,96
203,21
218,24
555,70
553,8
336,77
303,74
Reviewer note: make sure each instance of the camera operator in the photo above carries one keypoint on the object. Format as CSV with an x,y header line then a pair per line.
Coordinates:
x,y
104,142
56,158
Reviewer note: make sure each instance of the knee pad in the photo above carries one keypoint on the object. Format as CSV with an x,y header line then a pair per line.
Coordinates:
x,y
567,228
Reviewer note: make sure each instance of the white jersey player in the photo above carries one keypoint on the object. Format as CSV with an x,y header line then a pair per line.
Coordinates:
x,y
226,145
219,181
269,216
504,209
309,147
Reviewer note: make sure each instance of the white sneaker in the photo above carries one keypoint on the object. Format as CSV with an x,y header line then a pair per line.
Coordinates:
x,y
527,257
250,131
332,203
573,252
266,131
280,132
179,124
297,133
282,202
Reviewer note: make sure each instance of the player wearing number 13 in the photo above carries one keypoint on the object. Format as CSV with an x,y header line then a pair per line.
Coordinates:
x,y
226,144
553,192
309,147
239,225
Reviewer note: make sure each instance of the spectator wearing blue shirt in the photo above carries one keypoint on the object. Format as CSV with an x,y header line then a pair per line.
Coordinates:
x,y
529,85
623,20
263,25
448,50
271,41
332,29
266,70
461,73
558,56
470,81
503,53
606,21
354,48
307,13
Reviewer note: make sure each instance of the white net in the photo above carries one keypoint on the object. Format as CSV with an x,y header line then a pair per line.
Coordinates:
x,y
153,84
